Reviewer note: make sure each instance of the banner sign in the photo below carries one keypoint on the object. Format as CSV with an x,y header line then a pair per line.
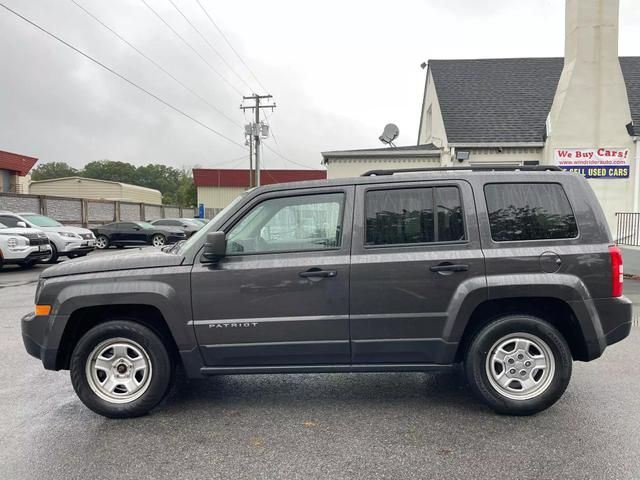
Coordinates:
x,y
594,162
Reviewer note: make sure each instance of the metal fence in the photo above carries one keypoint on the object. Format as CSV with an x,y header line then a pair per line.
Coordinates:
x,y
628,229
84,212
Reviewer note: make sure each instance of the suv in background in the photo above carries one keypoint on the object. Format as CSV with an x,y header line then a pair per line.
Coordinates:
x,y
512,273
22,246
65,241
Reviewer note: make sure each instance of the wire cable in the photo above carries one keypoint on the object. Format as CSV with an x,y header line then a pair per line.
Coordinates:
x,y
156,64
175,32
231,46
210,45
122,77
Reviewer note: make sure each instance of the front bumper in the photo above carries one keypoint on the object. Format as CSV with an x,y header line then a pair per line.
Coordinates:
x,y
34,255
34,336
77,246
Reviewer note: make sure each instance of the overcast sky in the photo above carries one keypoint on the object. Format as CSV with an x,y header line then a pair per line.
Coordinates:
x,y
338,71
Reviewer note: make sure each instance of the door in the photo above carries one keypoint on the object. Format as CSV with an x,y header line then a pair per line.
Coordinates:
x,y
415,250
131,233
280,296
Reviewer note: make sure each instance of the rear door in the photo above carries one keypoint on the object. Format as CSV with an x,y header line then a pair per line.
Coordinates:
x,y
415,250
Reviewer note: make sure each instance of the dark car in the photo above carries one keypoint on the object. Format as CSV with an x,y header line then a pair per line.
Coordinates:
x,y
514,274
187,225
122,234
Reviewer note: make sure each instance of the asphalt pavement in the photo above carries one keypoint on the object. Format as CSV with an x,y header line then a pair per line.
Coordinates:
x,y
320,426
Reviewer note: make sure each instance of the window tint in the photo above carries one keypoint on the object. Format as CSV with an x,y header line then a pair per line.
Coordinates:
x,y
529,211
310,222
406,216
11,222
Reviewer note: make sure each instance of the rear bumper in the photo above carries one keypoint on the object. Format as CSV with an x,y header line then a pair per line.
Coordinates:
x,y
615,317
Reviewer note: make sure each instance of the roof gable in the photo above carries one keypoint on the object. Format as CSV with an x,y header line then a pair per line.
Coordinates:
x,y
21,164
508,99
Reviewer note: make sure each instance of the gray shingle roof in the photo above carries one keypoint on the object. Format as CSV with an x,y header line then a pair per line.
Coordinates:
x,y
507,99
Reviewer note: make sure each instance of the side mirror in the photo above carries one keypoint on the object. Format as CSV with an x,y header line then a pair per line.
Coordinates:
x,y
21,225
216,246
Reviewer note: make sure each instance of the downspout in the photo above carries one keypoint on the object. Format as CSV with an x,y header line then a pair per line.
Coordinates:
x,y
636,176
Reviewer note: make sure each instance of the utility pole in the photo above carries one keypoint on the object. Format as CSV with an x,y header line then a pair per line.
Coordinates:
x,y
256,127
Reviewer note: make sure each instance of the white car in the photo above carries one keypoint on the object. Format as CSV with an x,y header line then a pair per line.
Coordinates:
x,y
65,241
23,246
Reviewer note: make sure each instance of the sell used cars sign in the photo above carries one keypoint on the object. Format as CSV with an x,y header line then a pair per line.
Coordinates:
x,y
594,162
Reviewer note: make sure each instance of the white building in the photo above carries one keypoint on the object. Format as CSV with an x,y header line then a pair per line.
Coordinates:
x,y
94,189
14,172
581,112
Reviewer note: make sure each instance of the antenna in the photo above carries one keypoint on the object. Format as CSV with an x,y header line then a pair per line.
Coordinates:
x,y
390,133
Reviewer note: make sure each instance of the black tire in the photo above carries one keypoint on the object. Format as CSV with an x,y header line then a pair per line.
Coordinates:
x,y
158,240
100,239
478,368
161,368
54,255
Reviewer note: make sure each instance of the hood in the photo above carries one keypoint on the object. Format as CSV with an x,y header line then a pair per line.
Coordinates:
x,y
19,231
128,260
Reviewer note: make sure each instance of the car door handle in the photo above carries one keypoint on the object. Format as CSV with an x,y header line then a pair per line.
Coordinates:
x,y
449,267
317,273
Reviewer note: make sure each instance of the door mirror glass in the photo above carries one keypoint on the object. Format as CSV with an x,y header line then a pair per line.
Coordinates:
x,y
215,247
21,225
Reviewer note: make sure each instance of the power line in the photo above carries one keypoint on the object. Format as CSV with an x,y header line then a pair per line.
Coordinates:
x,y
285,158
119,75
231,46
156,64
211,67
210,45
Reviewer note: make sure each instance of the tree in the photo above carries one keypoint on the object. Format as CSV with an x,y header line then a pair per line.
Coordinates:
x,y
110,170
47,171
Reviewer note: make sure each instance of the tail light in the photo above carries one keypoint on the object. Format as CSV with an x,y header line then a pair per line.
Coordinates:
x,y
617,276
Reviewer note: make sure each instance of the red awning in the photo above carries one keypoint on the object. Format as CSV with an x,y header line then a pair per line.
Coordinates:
x,y
210,177
19,164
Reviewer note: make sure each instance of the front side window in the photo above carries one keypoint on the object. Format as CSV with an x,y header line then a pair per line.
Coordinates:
x,y
407,216
529,211
289,224
9,221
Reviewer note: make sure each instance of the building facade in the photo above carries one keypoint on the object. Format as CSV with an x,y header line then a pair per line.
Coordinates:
x,y
216,188
580,112
14,172
94,189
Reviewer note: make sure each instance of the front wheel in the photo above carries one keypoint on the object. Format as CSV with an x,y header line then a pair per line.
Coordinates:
x,y
102,242
158,240
54,255
518,365
121,369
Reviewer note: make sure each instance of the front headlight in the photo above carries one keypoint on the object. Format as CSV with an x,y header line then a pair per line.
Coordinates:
x,y
69,235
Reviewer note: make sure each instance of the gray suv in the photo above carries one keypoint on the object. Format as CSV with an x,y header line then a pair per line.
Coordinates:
x,y
512,274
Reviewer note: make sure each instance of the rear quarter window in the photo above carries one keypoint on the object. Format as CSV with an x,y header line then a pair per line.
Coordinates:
x,y
529,211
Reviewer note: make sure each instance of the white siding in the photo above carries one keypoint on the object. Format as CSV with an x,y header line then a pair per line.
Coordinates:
x,y
218,197
354,167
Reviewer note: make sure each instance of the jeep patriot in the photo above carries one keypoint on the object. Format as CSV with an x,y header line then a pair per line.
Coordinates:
x,y
512,273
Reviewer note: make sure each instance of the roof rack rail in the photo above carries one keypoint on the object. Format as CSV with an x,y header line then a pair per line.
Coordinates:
x,y
485,168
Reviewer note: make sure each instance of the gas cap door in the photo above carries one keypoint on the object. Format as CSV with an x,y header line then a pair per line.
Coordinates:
x,y
550,262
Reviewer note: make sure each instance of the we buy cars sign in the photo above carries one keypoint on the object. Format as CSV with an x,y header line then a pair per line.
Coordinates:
x,y
594,162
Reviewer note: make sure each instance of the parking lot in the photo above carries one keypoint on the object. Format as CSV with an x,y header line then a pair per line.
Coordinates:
x,y
329,426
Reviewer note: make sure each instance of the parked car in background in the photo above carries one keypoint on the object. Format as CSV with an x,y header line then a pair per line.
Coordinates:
x,y
203,221
23,246
187,225
65,241
122,234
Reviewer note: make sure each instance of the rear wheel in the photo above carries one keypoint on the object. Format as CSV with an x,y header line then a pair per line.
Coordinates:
x,y
518,365
121,369
158,240
102,242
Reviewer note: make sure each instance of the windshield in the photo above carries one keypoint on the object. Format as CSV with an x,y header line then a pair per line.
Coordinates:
x,y
182,247
145,225
42,221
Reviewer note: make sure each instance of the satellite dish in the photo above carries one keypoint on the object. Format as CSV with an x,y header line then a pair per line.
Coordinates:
x,y
390,133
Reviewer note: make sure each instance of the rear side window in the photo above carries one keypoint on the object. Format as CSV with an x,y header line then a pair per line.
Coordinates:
x,y
529,211
407,216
